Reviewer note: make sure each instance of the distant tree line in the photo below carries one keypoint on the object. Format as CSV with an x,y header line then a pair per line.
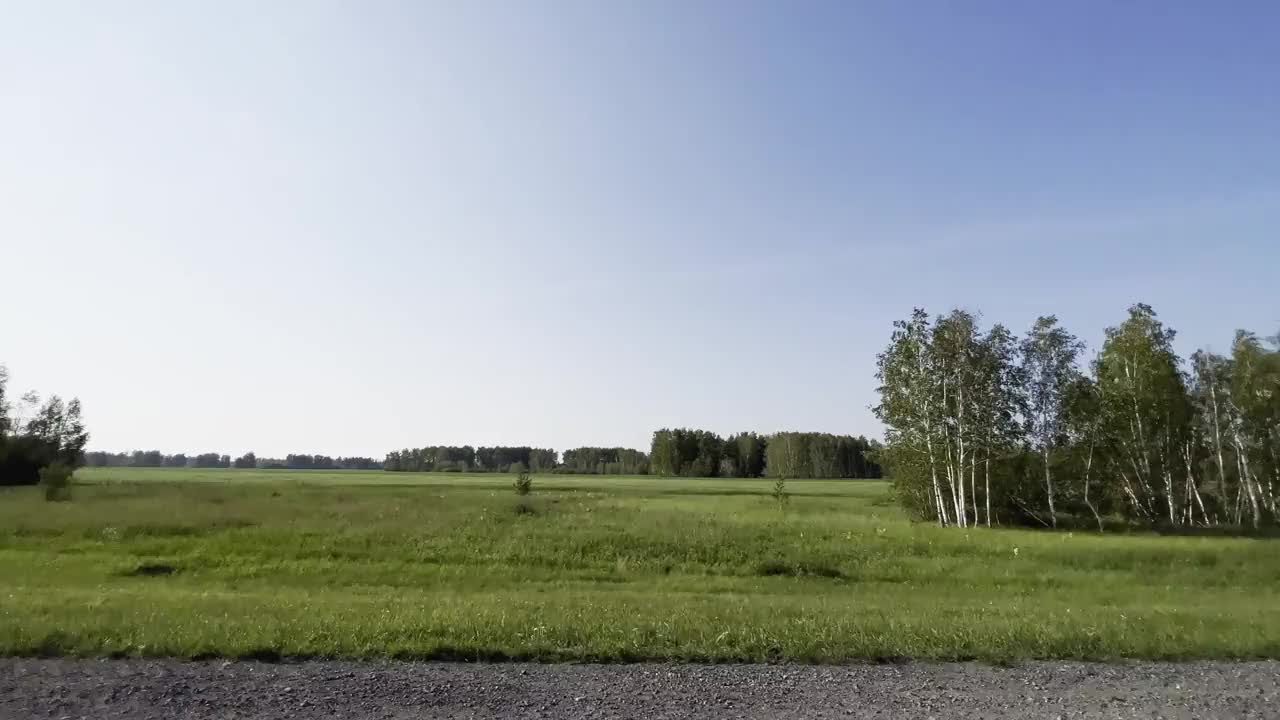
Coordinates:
x,y
680,452
465,458
700,453
155,458
35,435
603,461
987,428
324,462
820,455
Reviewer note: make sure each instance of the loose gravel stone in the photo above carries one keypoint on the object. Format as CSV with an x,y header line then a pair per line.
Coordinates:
x,y
164,689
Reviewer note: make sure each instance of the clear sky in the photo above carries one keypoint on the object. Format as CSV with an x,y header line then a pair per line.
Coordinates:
x,y
351,227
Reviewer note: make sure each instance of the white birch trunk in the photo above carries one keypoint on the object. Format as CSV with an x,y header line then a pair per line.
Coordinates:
x,y
1246,477
987,494
1217,440
962,509
1192,489
1133,497
1088,471
1048,486
973,487
933,473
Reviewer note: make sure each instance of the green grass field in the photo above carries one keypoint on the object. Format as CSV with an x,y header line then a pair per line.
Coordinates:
x,y
350,564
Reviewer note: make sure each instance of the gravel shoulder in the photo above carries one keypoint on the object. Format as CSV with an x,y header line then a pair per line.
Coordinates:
x,y
66,688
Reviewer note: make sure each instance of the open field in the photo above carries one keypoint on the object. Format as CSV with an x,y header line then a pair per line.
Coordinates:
x,y
366,565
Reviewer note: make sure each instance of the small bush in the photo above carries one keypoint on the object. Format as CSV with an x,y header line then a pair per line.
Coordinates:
x,y
523,484
56,481
780,495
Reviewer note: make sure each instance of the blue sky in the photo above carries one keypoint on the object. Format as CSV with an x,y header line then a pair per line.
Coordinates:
x,y
352,227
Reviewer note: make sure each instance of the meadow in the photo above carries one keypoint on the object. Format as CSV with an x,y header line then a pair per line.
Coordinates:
x,y
269,564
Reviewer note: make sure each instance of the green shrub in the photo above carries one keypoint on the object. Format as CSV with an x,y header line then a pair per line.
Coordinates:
x,y
780,495
56,481
523,484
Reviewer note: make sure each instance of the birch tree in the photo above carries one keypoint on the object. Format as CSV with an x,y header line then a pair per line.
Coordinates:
x,y
1216,417
1143,437
1145,412
4,402
998,406
909,409
1082,426
954,354
1255,430
1049,355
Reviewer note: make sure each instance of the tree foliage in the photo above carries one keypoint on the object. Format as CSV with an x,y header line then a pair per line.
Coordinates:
x,y
700,453
247,461
36,435
603,461
448,458
981,429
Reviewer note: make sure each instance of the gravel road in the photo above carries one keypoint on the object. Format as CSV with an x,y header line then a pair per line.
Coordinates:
x,y
171,689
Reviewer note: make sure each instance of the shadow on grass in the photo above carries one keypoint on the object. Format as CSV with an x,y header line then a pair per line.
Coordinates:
x,y
1113,526
781,568
1266,532
151,570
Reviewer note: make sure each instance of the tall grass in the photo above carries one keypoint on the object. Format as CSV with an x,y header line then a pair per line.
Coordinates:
x,y
267,564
